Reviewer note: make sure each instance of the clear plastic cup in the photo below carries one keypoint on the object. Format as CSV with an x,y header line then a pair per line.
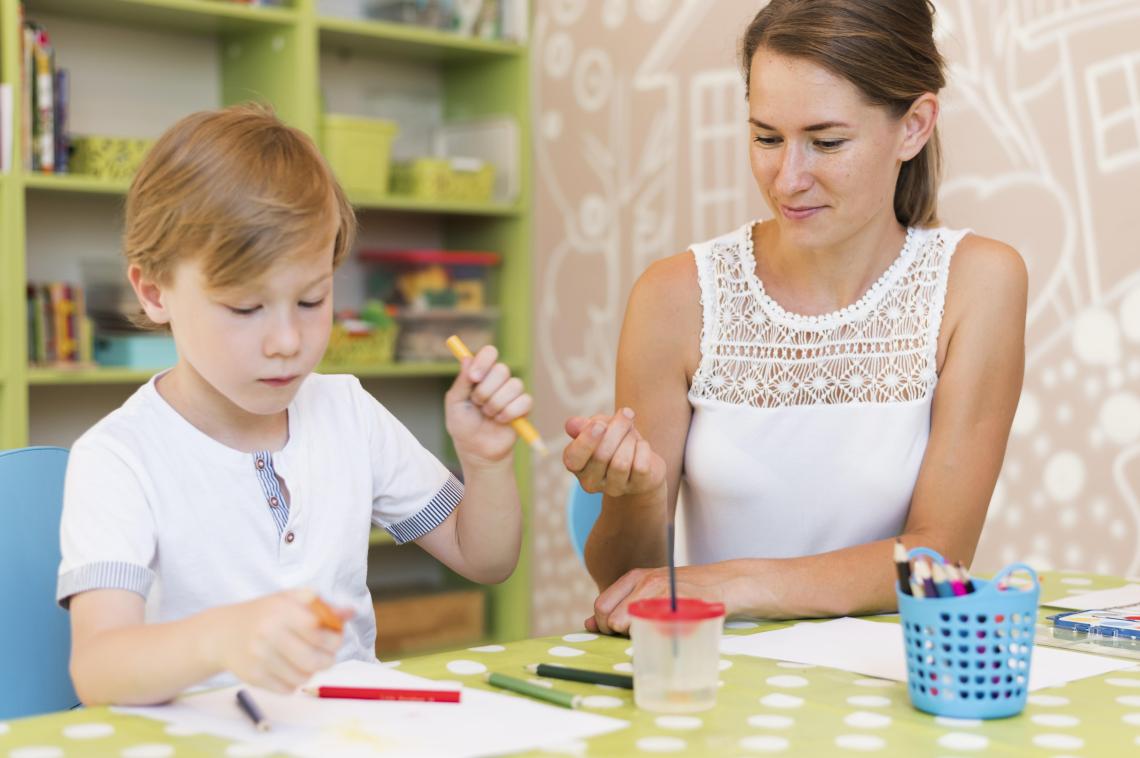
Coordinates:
x,y
676,654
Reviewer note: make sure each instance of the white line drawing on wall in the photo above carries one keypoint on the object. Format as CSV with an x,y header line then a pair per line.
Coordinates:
x,y
1042,122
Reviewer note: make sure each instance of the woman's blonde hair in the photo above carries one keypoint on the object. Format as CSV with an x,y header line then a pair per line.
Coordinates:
x,y
235,189
885,48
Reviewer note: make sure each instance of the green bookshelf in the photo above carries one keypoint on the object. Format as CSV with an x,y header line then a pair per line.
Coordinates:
x,y
274,54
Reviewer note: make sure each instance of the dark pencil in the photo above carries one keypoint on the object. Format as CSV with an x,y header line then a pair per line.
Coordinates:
x,y
624,681
902,566
249,708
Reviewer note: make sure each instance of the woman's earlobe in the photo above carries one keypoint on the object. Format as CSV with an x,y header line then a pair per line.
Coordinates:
x,y
919,122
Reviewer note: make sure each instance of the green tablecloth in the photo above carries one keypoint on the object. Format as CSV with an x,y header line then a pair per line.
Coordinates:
x,y
763,707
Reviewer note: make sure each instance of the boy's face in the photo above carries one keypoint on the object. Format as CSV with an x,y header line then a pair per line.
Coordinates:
x,y
255,343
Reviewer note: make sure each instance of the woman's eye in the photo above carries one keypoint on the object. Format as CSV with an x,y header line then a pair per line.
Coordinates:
x,y
830,144
766,141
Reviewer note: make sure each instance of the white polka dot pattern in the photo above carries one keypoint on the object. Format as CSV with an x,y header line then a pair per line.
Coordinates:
x,y
764,743
780,700
87,731
869,701
579,637
867,720
148,751
678,722
561,651
1058,741
863,743
602,701
770,721
661,744
466,668
963,741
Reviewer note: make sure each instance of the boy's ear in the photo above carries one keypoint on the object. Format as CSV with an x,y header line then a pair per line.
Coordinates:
x,y
150,295
918,125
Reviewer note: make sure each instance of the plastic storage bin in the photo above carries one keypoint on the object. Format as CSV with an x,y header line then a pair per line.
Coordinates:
x,y
424,332
444,179
359,151
968,656
376,346
135,350
107,157
431,278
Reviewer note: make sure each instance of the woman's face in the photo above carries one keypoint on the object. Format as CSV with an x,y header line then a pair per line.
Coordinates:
x,y
825,160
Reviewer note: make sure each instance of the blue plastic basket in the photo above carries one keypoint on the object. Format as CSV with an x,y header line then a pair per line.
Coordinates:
x,y
968,656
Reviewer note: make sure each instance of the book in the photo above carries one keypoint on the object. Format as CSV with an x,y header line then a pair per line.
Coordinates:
x,y
7,127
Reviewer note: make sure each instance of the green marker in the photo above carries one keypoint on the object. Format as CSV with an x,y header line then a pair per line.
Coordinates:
x,y
530,689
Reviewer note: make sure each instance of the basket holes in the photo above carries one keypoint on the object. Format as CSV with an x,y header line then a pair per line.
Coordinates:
x,y
996,664
1015,618
946,648
999,632
945,616
933,690
928,645
979,680
981,618
981,634
1015,632
963,617
981,651
929,631
963,632
945,632
999,618
963,649
964,679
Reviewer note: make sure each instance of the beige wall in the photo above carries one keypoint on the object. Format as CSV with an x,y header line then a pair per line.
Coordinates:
x,y
640,142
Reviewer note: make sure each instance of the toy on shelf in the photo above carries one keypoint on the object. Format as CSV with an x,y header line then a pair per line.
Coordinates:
x,y
436,293
364,338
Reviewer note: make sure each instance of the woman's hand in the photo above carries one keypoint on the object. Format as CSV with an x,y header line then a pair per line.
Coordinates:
x,y
608,455
482,402
712,582
276,642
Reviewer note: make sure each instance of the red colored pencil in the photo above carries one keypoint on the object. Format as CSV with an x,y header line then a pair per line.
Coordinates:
x,y
385,693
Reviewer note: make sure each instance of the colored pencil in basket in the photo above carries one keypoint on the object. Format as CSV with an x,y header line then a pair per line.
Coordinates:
x,y
922,570
955,580
902,566
941,582
967,582
522,427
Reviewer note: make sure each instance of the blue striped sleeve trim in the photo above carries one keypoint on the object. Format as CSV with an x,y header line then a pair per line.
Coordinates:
x,y
106,575
431,515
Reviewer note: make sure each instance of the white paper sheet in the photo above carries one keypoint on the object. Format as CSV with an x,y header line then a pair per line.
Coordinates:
x,y
483,723
876,649
1129,594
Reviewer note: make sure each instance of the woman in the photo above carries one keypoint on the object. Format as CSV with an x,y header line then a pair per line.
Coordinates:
x,y
821,383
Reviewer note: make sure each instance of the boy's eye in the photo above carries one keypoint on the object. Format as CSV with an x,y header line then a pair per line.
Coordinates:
x,y
311,303
243,311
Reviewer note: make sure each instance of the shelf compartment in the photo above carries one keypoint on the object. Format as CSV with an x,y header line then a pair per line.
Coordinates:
x,y
408,41
203,16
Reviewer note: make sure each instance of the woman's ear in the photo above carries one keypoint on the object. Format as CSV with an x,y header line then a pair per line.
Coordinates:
x,y
918,125
150,295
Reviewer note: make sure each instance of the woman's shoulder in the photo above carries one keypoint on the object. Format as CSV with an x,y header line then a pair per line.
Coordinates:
x,y
987,284
984,265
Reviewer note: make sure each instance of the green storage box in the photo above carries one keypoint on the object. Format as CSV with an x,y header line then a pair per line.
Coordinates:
x,y
452,179
107,157
359,151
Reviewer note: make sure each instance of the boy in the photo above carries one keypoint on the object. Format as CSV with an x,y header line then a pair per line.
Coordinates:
x,y
203,516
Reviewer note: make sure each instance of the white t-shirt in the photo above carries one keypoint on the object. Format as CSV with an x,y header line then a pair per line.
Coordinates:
x,y
155,506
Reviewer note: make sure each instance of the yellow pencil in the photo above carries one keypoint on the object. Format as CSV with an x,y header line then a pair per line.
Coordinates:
x,y
523,427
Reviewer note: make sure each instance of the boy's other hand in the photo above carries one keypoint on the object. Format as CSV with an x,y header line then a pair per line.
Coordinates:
x,y
482,402
277,642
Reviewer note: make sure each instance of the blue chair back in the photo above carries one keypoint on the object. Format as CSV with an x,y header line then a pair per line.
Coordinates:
x,y
35,636
582,510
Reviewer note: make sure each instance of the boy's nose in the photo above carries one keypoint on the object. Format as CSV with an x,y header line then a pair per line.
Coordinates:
x,y
284,338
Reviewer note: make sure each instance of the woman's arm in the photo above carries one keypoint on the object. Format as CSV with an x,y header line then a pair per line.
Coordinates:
x,y
982,353
636,461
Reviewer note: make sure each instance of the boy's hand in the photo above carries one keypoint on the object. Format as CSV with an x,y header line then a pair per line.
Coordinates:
x,y
609,455
481,404
277,642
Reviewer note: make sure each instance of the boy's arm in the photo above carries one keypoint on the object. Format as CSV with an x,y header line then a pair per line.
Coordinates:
x,y
275,642
481,538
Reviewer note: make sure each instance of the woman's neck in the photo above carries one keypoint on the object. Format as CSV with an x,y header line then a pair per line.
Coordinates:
x,y
814,279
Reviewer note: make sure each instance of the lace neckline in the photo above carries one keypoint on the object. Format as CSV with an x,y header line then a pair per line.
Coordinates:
x,y
843,315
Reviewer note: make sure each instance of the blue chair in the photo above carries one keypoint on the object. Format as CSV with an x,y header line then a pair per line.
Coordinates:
x,y
582,510
35,636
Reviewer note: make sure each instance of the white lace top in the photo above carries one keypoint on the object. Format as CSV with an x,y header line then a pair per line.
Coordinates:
x,y
808,431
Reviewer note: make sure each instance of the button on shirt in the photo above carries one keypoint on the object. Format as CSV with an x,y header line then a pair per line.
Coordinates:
x,y
155,506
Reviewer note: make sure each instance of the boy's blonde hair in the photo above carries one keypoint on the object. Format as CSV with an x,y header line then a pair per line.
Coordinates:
x,y
234,188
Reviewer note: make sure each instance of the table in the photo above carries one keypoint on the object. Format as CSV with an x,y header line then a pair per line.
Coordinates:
x,y
764,707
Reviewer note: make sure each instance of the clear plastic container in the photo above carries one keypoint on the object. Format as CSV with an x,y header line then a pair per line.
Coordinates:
x,y
676,654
